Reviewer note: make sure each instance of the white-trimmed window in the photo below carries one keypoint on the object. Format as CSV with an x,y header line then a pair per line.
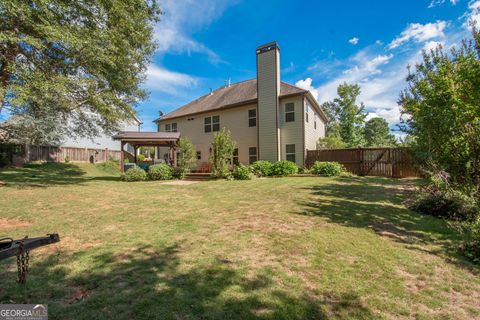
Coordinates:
x,y
252,155
215,123
289,112
307,109
171,127
315,121
212,124
252,117
290,152
235,159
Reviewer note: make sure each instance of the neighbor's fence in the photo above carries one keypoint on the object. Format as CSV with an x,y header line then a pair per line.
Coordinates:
x,y
28,153
385,162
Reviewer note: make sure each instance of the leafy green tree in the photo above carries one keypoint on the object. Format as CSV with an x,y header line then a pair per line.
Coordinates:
x,y
81,61
377,133
223,147
442,109
347,118
331,141
187,156
25,129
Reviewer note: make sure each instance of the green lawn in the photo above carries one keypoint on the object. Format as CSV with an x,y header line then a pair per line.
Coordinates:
x,y
278,248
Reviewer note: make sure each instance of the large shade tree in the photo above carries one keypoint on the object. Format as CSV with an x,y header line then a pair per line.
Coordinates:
x,y
347,118
79,61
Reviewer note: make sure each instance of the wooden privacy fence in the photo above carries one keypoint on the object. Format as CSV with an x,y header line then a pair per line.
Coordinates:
x,y
29,153
64,154
385,162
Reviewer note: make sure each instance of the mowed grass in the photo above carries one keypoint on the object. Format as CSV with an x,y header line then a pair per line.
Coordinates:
x,y
277,248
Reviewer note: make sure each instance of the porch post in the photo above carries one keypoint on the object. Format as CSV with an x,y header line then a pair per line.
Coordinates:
x,y
135,154
122,168
174,149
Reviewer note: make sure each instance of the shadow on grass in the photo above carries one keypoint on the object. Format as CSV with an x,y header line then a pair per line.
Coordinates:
x,y
48,174
376,204
153,284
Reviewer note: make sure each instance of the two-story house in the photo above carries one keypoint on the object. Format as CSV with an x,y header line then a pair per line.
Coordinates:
x,y
269,119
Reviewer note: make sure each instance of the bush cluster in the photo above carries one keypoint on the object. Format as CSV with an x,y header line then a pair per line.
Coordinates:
x,y
134,174
440,199
242,172
327,169
155,172
262,168
284,168
451,204
160,172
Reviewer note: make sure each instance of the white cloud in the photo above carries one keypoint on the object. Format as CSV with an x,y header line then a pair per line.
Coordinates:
x,y
435,3
420,33
432,45
473,15
353,41
181,19
163,80
307,85
380,84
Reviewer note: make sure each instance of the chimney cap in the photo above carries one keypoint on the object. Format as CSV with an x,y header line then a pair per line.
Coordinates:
x,y
267,47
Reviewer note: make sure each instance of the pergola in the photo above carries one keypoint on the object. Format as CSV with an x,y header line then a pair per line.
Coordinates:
x,y
151,139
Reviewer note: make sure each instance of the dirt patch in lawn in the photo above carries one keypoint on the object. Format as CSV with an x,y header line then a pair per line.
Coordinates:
x,y
13,223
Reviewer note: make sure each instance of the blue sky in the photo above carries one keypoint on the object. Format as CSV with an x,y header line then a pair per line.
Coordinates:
x,y
323,43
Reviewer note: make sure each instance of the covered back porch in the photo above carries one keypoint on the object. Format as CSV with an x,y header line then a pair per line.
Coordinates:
x,y
138,139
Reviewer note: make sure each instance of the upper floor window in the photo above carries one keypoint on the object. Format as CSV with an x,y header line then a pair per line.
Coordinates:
x,y
290,152
171,127
252,155
289,112
315,121
212,124
199,155
252,117
307,109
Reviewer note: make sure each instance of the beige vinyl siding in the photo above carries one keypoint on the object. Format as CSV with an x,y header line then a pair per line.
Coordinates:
x,y
311,134
292,132
268,74
234,119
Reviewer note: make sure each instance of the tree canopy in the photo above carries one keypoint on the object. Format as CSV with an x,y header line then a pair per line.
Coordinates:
x,y
79,61
442,108
377,133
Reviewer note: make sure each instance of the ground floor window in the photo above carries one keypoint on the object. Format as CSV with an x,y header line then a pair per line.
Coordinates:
x,y
290,152
235,157
252,155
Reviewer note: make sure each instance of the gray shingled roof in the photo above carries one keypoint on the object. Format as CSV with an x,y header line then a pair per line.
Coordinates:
x,y
153,136
237,94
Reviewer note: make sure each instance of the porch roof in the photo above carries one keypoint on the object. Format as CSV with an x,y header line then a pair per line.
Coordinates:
x,y
148,138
